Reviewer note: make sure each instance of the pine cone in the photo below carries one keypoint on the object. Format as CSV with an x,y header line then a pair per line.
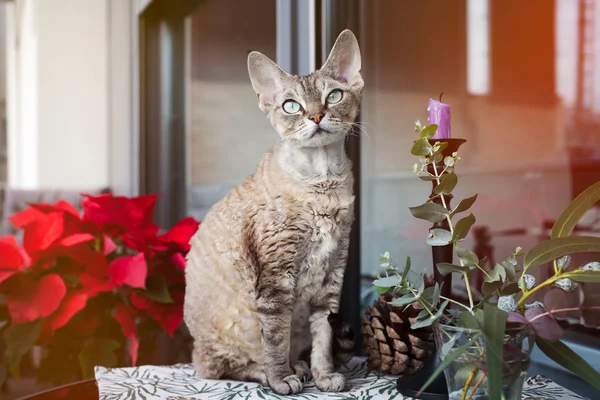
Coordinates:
x,y
391,345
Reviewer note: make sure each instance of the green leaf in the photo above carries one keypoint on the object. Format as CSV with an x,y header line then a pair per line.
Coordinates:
x,y
387,282
405,300
447,268
447,184
571,215
493,280
421,147
430,320
157,290
494,324
584,276
439,147
552,249
462,227
471,321
449,161
431,212
381,290
464,205
564,356
406,268
428,131
424,176
467,256
449,359
98,352
19,340
439,237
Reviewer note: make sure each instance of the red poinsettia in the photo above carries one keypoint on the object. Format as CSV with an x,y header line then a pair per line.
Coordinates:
x,y
113,248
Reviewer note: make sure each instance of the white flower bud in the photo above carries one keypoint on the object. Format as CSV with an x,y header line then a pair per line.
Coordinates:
x,y
507,303
593,266
529,281
566,284
564,262
535,304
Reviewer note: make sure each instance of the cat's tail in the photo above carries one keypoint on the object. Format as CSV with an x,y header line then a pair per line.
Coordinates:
x,y
343,340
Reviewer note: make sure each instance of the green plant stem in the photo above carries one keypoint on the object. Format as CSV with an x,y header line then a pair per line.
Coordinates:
x,y
479,382
420,301
548,282
437,179
468,383
468,285
455,302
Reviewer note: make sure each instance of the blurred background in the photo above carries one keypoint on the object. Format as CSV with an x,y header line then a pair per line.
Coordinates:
x,y
153,96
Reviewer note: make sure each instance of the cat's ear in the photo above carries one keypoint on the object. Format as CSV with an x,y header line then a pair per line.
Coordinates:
x,y
343,63
266,76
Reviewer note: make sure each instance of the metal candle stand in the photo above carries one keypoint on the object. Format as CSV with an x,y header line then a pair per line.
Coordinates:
x,y
409,385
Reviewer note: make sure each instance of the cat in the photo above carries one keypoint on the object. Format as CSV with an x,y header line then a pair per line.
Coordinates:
x,y
265,270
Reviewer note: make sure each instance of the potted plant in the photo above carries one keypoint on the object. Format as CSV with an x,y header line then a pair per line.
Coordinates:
x,y
89,288
484,346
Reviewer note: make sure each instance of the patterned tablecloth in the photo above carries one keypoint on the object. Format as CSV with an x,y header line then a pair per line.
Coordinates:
x,y
180,382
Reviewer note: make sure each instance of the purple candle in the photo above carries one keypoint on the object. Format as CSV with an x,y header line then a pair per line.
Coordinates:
x,y
439,114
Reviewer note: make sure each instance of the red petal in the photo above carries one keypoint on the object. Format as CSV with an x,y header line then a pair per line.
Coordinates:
x,y
126,317
179,260
71,305
36,299
25,217
109,245
130,270
134,345
181,233
140,301
94,285
76,239
61,205
12,258
43,232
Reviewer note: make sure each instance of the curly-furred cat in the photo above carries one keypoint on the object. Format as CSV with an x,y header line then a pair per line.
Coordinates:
x,y
264,274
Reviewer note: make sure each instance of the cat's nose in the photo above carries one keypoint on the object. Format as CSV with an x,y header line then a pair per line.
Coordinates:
x,y
316,117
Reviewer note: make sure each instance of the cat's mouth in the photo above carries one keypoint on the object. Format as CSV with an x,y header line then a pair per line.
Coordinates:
x,y
319,131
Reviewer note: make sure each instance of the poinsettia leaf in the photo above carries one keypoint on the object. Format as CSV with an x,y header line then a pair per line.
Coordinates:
x,y
387,282
553,249
20,339
584,276
462,227
467,257
544,324
36,299
157,290
431,212
130,270
439,237
429,131
564,356
569,218
464,205
98,352
421,147
447,184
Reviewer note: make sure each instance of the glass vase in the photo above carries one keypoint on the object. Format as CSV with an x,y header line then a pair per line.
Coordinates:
x,y
466,376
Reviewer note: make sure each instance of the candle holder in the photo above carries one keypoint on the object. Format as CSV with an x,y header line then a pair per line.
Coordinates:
x,y
409,385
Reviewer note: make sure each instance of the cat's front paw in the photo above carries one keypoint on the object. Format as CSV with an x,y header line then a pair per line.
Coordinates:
x,y
334,382
288,385
302,370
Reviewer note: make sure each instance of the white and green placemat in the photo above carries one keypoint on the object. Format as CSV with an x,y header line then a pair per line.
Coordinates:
x,y
180,382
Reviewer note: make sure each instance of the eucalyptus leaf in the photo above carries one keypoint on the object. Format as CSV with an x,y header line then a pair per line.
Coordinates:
x,y
431,212
405,300
494,324
437,157
439,237
449,359
447,346
429,131
472,321
381,289
447,184
571,215
427,297
425,176
428,321
406,268
439,147
436,293
584,276
387,282
447,268
449,161
421,147
467,257
462,227
564,356
552,249
464,205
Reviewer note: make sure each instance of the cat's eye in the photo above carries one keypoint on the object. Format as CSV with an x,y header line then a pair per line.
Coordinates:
x,y
291,107
334,97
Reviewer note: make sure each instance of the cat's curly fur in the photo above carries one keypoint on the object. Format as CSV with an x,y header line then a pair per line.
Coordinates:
x,y
265,271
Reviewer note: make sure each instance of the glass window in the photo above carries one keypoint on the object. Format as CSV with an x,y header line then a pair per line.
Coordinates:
x,y
226,132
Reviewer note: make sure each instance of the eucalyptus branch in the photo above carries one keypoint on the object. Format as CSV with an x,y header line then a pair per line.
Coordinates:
x,y
455,302
528,293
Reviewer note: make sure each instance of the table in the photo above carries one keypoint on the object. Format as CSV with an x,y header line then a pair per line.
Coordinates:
x,y
179,382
